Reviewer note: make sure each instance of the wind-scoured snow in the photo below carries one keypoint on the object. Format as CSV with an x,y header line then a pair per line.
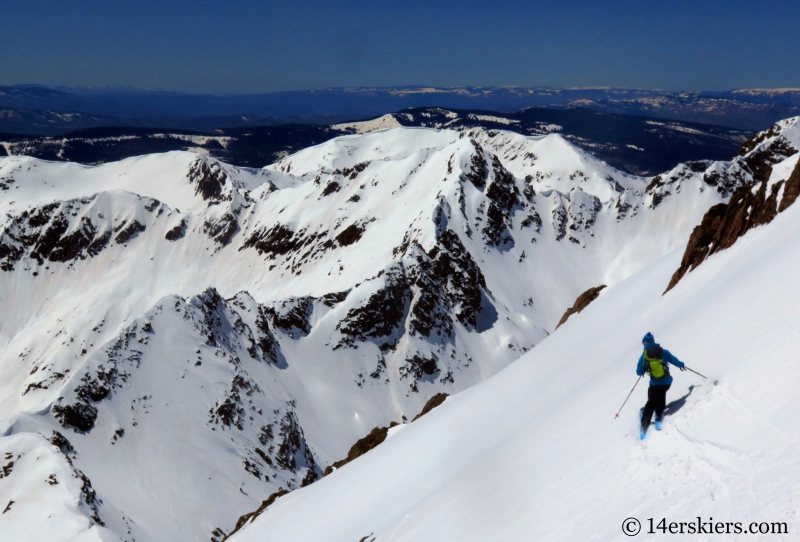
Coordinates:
x,y
204,335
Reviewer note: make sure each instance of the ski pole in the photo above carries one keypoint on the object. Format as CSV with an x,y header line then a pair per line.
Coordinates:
x,y
626,399
695,372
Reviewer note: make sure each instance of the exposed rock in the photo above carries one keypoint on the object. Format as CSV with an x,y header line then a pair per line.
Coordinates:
x,y
449,281
583,210
221,229
362,446
791,189
726,179
382,313
80,416
251,516
416,367
264,338
280,240
533,220
292,314
724,223
351,234
277,240
60,441
560,218
432,403
379,434
43,231
478,168
766,149
503,196
331,187
352,172
177,232
127,231
334,298
208,180
293,451
97,384
581,303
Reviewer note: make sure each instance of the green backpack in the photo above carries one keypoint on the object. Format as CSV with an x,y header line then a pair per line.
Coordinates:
x,y
654,362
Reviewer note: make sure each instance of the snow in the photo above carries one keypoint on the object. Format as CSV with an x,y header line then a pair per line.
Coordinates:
x,y
38,478
363,127
157,176
197,140
492,118
781,171
787,130
535,453
545,127
127,332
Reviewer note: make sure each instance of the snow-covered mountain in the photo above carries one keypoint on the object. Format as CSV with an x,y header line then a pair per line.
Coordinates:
x,y
535,453
180,338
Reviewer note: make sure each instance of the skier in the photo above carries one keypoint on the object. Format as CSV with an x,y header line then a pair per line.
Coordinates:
x,y
655,360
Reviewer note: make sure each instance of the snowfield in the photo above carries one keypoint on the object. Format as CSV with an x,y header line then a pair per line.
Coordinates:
x,y
181,338
535,453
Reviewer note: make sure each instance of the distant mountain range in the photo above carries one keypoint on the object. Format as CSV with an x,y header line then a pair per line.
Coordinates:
x,y
635,144
38,110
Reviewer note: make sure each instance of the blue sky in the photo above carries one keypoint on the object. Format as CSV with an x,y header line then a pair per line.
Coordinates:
x,y
236,47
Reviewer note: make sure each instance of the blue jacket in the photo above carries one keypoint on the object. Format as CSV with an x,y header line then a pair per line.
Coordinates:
x,y
669,358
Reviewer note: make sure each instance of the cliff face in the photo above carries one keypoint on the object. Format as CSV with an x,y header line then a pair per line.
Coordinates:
x,y
582,302
724,223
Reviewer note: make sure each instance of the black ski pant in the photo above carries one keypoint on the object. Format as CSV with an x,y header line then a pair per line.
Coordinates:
x,y
656,401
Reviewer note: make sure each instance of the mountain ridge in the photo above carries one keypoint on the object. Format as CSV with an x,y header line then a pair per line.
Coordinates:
x,y
291,309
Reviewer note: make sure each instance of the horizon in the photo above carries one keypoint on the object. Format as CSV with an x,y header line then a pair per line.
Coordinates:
x,y
432,88
244,49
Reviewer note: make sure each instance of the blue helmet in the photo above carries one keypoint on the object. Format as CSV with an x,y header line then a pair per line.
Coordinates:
x,y
648,338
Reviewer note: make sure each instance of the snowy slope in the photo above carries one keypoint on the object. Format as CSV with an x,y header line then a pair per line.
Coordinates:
x,y
204,335
45,480
535,453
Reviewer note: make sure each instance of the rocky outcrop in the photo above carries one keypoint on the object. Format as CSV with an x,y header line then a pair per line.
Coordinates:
x,y
251,516
381,314
127,231
362,446
66,231
207,179
478,170
221,229
449,282
724,223
292,315
432,403
766,149
177,232
581,303
379,434
503,196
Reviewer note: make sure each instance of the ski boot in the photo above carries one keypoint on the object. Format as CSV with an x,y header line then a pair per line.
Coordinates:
x,y
658,425
642,433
